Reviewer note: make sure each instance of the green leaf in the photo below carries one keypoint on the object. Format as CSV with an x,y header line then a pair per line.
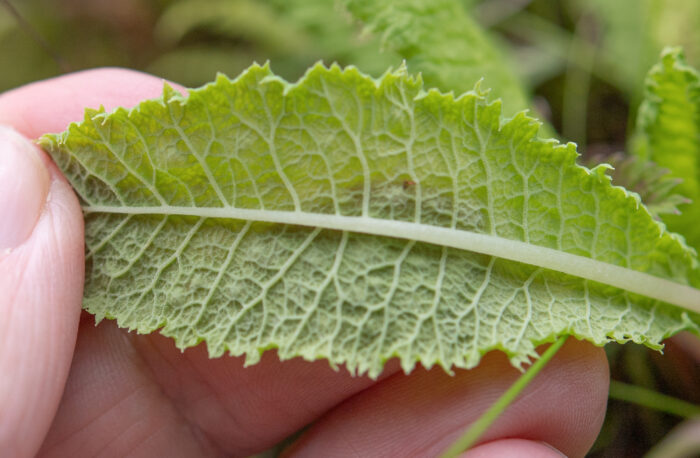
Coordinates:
x,y
439,39
633,32
357,220
668,133
292,33
657,189
256,22
333,35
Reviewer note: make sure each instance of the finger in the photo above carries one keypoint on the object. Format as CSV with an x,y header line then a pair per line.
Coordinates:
x,y
245,410
185,400
41,277
50,105
508,448
689,344
112,407
422,414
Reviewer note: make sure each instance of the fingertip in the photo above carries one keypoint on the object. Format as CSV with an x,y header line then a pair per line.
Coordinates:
x,y
24,185
508,448
41,280
51,105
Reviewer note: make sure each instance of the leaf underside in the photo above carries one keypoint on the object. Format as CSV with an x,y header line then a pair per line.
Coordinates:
x,y
156,183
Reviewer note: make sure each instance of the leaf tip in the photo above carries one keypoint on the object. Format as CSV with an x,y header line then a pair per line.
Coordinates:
x,y
170,94
482,92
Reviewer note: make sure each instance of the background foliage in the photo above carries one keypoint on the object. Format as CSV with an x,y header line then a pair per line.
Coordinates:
x,y
583,62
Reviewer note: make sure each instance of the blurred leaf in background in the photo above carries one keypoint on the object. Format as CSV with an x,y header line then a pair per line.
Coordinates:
x,y
443,42
668,133
187,41
589,58
200,38
635,31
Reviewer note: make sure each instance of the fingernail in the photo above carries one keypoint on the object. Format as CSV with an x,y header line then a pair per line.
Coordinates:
x,y
556,450
24,185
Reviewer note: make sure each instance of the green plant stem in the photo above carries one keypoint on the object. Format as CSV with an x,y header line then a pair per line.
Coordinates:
x,y
652,399
480,426
577,83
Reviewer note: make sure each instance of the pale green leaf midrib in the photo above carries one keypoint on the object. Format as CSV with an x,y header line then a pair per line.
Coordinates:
x,y
514,250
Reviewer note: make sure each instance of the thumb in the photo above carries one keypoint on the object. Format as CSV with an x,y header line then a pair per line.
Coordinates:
x,y
41,278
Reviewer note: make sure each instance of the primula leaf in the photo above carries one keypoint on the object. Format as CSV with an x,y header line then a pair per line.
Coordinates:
x,y
357,220
668,133
439,39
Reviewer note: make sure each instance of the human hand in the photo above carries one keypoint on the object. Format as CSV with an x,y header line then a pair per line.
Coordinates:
x,y
137,395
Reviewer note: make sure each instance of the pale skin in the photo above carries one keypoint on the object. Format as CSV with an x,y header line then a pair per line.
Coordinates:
x,y
68,388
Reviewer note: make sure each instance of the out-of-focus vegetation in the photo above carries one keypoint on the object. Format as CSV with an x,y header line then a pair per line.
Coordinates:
x,y
186,41
585,60
582,62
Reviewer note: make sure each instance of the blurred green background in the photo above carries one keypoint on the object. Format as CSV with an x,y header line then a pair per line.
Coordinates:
x,y
583,62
